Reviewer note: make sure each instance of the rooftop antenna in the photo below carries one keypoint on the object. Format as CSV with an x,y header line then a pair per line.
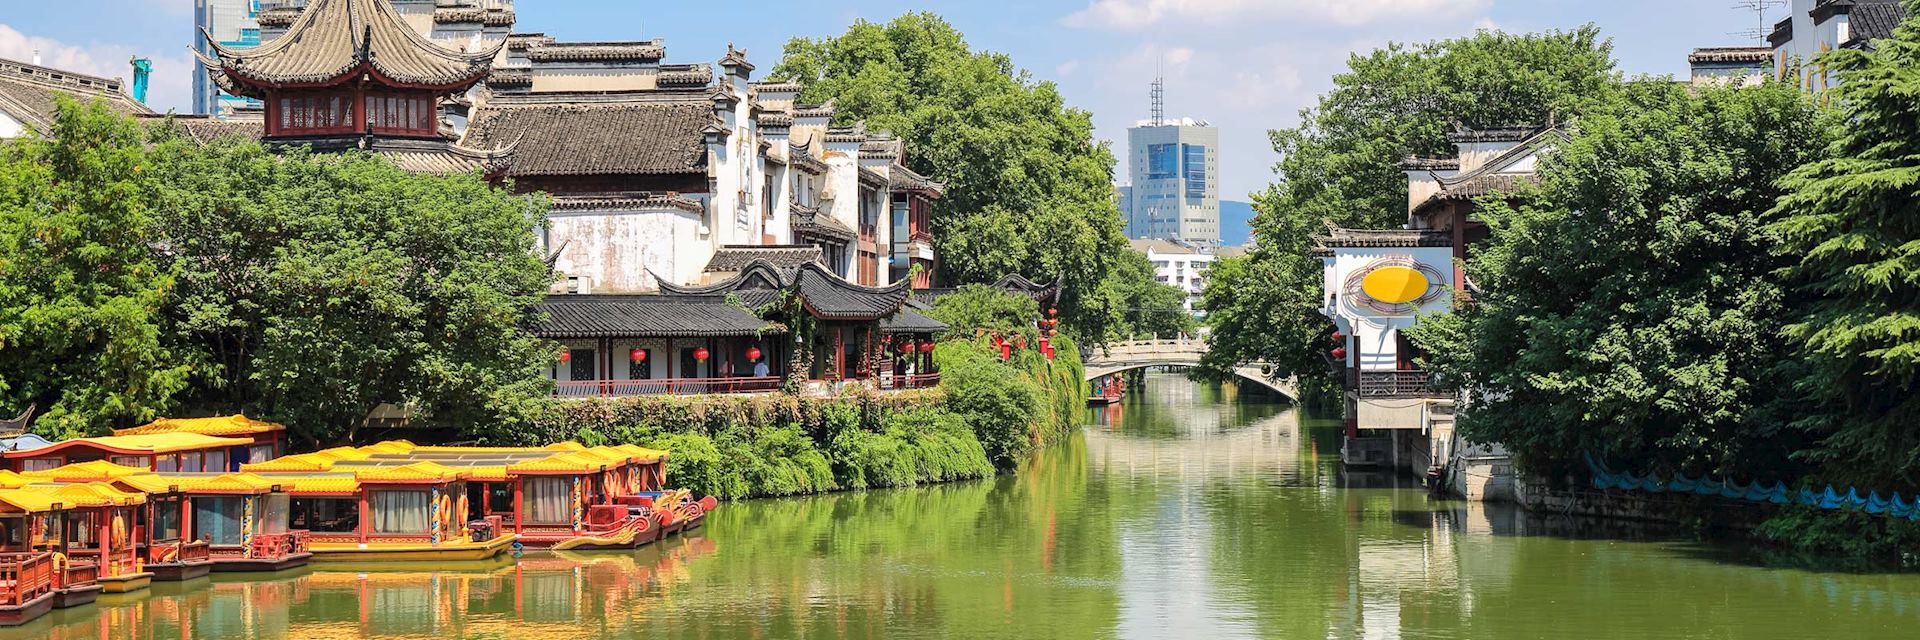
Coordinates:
x,y
1159,95
1759,9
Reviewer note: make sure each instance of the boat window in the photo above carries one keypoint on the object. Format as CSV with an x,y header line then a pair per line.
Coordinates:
x,y
217,520
260,453
217,460
39,464
499,498
13,533
82,530
272,512
167,463
326,515
549,500
399,511
138,462
190,462
166,519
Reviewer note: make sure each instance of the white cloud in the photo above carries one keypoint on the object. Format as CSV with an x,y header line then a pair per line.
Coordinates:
x,y
1067,68
171,85
1129,15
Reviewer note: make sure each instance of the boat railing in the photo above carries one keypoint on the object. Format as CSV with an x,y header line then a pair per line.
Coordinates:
x,y
25,576
179,551
80,574
276,545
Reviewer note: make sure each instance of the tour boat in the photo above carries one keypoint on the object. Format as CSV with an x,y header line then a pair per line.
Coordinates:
x,y
561,496
371,514
197,523
1107,390
29,573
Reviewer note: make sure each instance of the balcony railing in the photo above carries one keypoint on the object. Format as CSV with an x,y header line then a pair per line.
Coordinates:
x,y
1398,384
920,381
277,545
664,386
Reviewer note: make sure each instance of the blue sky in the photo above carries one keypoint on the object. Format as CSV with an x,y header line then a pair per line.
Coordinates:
x,y
1245,65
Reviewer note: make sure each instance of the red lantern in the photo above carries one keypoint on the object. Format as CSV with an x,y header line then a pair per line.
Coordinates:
x,y
1053,311
566,356
701,354
1006,351
1339,353
1339,337
753,354
926,347
637,355
1020,341
1053,332
906,346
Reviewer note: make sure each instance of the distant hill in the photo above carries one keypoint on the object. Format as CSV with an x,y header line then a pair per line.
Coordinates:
x,y
1236,222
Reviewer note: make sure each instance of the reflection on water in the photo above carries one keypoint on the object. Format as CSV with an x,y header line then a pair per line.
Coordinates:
x,y
1182,513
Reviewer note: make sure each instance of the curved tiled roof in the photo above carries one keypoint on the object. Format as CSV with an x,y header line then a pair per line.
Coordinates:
x,y
139,445
903,179
645,316
334,39
596,134
235,424
85,472
637,200
810,221
29,92
89,494
1341,238
735,258
685,75
29,501
907,320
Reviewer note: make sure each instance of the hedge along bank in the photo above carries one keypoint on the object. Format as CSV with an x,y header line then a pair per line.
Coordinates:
x,y
987,414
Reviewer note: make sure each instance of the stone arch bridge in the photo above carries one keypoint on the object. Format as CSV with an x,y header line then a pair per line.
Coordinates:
x,y
1138,354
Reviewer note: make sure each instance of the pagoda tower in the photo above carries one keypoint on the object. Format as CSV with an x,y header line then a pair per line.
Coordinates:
x,y
351,74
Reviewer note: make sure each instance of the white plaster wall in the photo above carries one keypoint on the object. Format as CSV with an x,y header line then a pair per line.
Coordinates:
x,y
1421,185
552,76
1371,333
617,249
1475,154
10,127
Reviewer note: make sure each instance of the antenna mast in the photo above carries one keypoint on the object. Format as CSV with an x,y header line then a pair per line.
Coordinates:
x,y
1159,95
1759,9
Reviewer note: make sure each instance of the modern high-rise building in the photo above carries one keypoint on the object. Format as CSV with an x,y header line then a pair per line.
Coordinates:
x,y
233,24
1174,187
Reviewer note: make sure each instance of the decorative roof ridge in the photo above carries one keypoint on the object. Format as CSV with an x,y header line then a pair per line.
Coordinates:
x,y
904,178
596,98
735,58
44,75
1340,237
1730,54
628,199
1528,145
760,267
1495,134
642,50
822,110
1420,163
778,86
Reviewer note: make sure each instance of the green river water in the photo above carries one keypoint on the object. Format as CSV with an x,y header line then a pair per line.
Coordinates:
x,y
1186,512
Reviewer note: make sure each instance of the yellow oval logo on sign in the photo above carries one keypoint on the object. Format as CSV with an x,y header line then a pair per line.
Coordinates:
x,y
1395,285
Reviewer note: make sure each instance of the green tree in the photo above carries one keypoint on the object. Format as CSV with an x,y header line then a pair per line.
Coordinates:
x,y
1028,189
1626,305
313,289
80,290
1342,164
1851,223
1149,309
978,306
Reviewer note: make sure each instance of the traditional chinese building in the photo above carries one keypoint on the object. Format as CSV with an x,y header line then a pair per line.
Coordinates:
x,y
28,93
1378,283
353,74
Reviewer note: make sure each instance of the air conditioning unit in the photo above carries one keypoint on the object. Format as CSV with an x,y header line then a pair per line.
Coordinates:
x,y
579,284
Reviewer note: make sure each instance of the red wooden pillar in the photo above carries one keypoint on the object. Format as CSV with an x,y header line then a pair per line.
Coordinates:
x,y
106,543
366,516
519,506
671,356
186,521
840,350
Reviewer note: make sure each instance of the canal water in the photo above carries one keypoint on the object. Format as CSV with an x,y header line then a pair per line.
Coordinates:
x,y
1185,512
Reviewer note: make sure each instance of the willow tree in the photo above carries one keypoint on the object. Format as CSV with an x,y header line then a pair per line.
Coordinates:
x,y
1852,224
